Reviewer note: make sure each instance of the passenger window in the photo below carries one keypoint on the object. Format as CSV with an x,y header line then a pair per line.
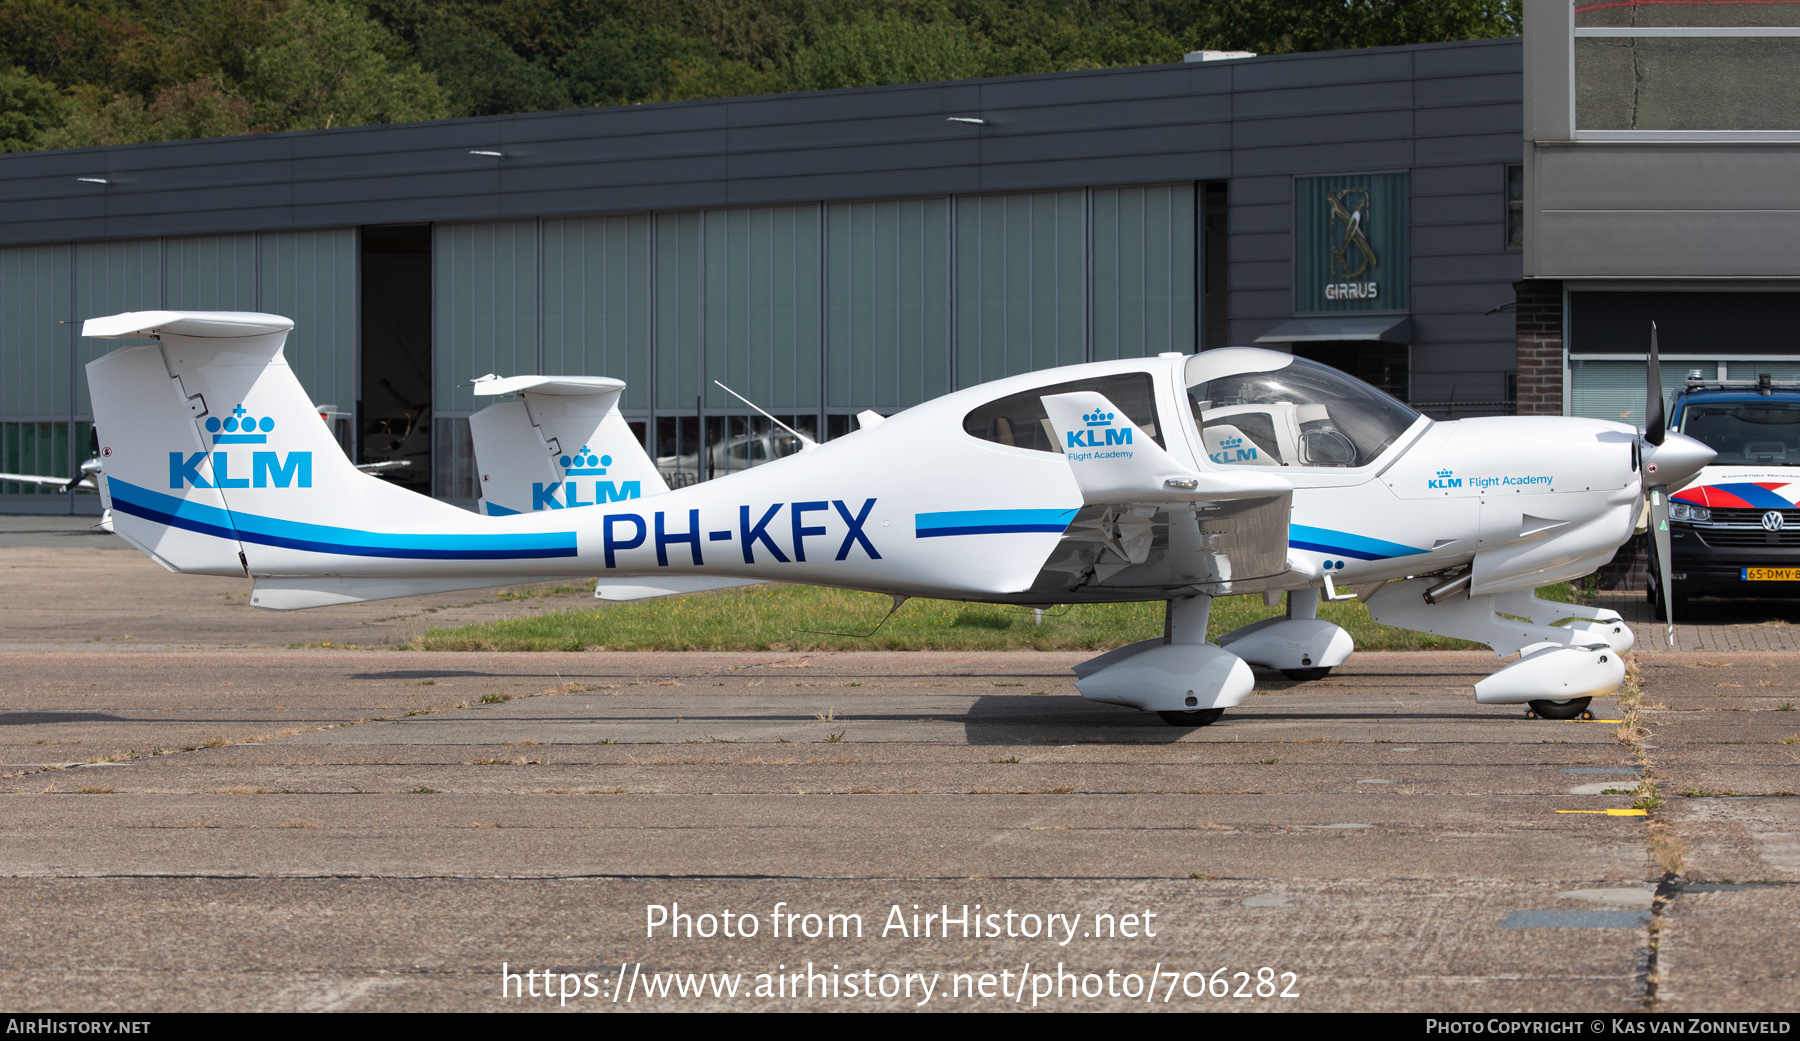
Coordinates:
x,y
1019,420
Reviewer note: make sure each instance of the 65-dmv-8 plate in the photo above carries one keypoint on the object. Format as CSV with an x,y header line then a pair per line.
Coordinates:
x,y
1771,574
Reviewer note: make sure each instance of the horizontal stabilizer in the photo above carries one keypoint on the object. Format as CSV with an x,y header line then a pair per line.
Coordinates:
x,y
41,481
561,386
134,324
645,588
293,594
1115,462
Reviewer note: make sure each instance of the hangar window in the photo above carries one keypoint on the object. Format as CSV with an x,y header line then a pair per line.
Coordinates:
x,y
1652,65
1019,420
1298,414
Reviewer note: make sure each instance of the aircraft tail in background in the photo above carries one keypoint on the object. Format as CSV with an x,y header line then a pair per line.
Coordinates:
x,y
560,444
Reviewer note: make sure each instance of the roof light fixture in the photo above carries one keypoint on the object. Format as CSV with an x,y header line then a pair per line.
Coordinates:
x,y
966,119
487,152
94,180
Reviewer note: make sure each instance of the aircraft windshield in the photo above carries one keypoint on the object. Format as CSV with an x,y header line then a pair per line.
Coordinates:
x,y
1759,433
1300,414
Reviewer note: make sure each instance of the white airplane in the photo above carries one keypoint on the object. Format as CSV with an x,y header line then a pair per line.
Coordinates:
x,y
1175,478
87,477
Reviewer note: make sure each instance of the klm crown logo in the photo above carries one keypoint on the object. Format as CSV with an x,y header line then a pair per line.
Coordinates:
x,y
240,428
213,469
1099,419
1232,450
1444,480
585,464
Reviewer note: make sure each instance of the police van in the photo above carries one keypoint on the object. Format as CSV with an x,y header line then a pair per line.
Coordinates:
x,y
1734,530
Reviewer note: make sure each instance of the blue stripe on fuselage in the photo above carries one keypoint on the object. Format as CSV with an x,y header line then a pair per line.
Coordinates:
x,y
1344,544
990,522
319,538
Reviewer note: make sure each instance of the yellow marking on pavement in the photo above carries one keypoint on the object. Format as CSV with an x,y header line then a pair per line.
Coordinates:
x,y
1612,813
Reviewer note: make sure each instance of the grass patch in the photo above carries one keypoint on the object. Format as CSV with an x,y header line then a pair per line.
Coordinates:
x,y
771,617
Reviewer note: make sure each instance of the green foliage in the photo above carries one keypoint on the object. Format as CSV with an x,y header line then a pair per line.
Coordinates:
x,y
485,77
616,65
145,70
1282,26
873,51
785,617
29,109
326,64
200,108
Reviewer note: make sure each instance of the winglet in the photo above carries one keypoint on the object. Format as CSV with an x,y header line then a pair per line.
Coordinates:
x,y
133,324
1115,462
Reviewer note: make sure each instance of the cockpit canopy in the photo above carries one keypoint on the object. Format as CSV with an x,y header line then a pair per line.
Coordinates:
x,y
1260,408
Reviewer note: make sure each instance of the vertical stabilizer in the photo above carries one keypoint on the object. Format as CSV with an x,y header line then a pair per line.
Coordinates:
x,y
561,445
215,462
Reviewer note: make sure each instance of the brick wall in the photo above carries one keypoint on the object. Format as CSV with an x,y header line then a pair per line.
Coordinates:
x,y
1539,318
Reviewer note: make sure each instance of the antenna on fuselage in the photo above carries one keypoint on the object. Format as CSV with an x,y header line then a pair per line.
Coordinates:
x,y
806,443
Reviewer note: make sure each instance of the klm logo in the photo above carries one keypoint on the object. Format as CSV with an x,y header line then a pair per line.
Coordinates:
x,y
1232,450
267,469
582,464
1099,424
1444,480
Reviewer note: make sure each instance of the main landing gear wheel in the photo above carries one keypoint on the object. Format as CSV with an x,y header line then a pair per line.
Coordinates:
x,y
1307,674
1574,708
1197,718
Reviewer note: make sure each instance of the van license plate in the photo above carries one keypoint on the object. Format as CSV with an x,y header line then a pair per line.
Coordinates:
x,y
1772,574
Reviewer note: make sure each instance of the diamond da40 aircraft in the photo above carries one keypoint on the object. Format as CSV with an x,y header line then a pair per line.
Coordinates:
x,y
1175,478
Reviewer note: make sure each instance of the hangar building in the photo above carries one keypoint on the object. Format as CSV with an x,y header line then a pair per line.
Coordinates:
x,y
1662,147
820,253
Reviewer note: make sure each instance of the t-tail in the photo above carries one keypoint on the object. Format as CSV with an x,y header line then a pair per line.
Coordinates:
x,y
215,462
556,443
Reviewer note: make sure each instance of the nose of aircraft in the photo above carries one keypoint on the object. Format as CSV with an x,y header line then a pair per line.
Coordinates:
x,y
1675,461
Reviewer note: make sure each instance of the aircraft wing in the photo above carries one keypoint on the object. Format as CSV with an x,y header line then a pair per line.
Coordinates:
x,y
1221,527
59,483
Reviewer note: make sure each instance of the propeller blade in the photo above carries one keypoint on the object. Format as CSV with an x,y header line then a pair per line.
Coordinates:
x,y
1659,531
1653,396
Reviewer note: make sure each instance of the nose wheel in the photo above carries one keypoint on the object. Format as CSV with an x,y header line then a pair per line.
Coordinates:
x,y
1315,673
1197,718
1574,708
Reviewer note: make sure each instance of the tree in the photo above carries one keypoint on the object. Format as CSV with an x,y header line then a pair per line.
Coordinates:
x,y
1282,26
617,64
327,65
872,51
198,108
483,76
29,108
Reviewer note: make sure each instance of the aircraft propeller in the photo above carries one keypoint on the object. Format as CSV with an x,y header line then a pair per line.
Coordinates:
x,y
1655,488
